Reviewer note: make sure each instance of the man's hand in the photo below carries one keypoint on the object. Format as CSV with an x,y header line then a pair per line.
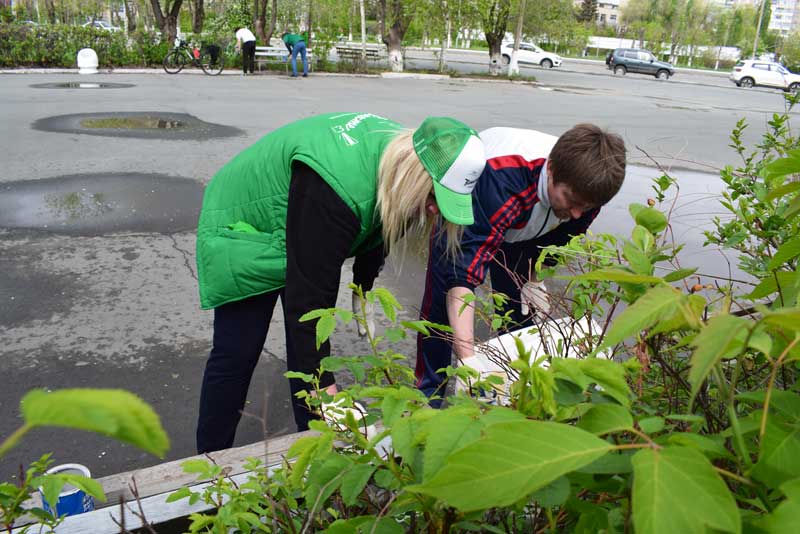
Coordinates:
x,y
534,299
368,314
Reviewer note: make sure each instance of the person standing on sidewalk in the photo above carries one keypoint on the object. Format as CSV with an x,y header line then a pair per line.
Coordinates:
x,y
296,44
280,219
246,41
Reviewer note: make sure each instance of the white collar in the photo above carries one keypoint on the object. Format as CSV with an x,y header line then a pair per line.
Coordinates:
x,y
544,197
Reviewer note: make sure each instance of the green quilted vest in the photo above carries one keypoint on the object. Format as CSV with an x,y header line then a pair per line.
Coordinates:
x,y
241,235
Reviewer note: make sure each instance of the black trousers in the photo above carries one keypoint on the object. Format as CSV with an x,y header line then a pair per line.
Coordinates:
x,y
320,230
248,56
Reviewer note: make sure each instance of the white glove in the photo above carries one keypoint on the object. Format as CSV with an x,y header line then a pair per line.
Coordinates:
x,y
369,311
534,299
334,414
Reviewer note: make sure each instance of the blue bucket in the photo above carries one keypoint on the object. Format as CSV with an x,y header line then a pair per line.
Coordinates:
x,y
71,500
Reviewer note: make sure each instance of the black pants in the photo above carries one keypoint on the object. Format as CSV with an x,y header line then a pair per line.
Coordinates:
x,y
320,230
248,56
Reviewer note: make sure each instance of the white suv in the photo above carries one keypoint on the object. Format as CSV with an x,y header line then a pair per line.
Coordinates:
x,y
530,54
752,72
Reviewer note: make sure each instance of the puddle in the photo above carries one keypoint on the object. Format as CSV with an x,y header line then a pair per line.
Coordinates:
x,y
101,204
81,85
695,207
146,124
132,122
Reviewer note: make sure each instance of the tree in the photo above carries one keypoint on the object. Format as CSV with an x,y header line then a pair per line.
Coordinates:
x,y
167,20
513,65
494,14
587,12
130,15
198,15
394,17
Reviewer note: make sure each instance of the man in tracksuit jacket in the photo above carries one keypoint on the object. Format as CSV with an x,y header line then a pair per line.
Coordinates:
x,y
536,190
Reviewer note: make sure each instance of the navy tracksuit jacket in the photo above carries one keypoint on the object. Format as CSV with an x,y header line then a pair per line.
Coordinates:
x,y
513,221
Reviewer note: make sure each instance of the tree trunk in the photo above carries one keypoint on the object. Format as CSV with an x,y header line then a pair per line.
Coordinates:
x,y
513,64
130,16
273,19
260,16
198,16
398,21
446,36
168,23
309,21
51,11
494,28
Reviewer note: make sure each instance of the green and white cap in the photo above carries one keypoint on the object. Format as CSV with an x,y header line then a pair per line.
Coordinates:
x,y
454,156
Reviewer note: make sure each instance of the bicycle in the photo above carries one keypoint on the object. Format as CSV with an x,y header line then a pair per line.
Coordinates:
x,y
210,58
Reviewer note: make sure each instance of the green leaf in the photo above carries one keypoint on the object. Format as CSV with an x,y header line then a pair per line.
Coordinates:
x,y
388,302
325,327
617,275
554,494
606,418
180,493
651,425
417,326
679,274
642,238
447,433
786,318
609,464
784,518
392,407
769,285
713,343
112,412
787,251
676,489
650,218
511,461
779,458
658,303
783,166
610,376
711,448
354,481
783,190
639,261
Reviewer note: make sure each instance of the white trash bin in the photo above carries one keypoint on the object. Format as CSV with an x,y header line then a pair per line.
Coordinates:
x,y
87,61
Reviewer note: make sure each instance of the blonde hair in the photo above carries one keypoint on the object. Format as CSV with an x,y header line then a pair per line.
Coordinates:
x,y
403,190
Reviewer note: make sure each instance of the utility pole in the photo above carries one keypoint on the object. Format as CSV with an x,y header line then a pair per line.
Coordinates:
x,y
758,28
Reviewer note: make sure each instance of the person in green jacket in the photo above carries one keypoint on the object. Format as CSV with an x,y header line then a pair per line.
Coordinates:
x,y
280,219
296,44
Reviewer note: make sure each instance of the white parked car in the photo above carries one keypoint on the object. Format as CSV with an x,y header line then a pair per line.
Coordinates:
x,y
101,25
530,54
752,72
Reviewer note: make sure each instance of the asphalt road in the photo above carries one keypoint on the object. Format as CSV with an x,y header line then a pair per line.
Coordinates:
x,y
103,293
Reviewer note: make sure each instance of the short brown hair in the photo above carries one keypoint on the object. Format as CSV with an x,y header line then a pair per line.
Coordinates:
x,y
591,161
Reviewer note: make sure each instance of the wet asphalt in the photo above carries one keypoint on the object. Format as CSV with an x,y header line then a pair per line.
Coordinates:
x,y
98,285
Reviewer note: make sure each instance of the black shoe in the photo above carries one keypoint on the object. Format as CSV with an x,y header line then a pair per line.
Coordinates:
x,y
305,75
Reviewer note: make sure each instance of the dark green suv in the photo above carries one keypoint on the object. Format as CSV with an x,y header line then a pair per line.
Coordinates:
x,y
625,60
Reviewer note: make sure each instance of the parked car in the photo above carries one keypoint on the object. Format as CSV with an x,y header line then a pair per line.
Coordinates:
x,y
530,54
101,25
752,72
624,60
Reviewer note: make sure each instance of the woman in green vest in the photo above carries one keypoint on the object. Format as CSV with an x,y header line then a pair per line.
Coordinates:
x,y
280,219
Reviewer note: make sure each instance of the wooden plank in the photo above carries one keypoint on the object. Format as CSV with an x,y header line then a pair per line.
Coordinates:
x,y
156,510
170,476
155,483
